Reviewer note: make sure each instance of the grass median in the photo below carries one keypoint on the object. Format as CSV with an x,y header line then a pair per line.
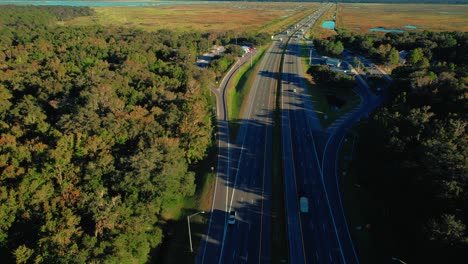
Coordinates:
x,y
239,90
279,237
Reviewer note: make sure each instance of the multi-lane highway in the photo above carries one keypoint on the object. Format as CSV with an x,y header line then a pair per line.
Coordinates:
x,y
245,184
309,155
313,235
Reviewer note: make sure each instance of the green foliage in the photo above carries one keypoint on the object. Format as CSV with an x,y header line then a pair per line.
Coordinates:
x,y
447,229
329,48
235,50
417,144
415,56
322,74
221,64
260,39
98,129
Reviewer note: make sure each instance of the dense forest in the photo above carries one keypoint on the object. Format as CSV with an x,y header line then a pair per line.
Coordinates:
x,y
99,129
413,151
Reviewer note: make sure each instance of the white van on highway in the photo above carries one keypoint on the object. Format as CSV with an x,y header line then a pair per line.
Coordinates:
x,y
304,204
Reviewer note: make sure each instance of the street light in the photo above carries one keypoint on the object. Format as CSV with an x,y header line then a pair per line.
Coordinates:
x,y
399,260
190,233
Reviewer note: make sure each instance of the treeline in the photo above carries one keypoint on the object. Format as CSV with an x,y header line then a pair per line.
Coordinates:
x,y
98,129
413,151
383,49
11,15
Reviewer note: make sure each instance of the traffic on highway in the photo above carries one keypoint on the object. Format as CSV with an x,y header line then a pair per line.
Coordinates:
x,y
239,228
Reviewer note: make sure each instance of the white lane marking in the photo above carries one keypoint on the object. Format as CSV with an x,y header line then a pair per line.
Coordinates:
x,y
251,201
238,165
214,192
341,204
234,254
316,255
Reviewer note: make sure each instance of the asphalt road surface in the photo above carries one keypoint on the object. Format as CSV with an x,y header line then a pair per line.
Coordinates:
x,y
244,181
310,155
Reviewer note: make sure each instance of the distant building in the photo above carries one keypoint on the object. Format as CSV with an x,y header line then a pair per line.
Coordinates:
x,y
333,62
246,49
402,54
205,59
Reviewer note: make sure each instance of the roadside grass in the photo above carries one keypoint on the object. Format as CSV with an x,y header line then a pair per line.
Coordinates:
x,y
200,17
279,237
238,91
362,17
319,94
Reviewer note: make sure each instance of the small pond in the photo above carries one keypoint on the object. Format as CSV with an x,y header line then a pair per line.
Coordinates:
x,y
330,24
386,30
411,27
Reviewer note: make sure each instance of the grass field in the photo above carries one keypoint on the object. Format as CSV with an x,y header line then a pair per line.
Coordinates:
x,y
213,17
362,17
317,31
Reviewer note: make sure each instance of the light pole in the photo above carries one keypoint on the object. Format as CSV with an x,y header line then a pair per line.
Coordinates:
x,y
399,260
189,232
310,56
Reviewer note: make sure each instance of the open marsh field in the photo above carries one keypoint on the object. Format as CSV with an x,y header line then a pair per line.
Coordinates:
x,y
212,17
362,17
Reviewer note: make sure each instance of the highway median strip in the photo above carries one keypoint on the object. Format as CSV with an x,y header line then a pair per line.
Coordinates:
x,y
238,92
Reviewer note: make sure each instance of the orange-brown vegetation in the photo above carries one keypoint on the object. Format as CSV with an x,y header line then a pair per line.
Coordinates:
x,y
215,17
362,17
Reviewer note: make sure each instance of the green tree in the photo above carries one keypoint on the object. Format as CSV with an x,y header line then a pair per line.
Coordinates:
x,y
447,229
415,56
393,57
